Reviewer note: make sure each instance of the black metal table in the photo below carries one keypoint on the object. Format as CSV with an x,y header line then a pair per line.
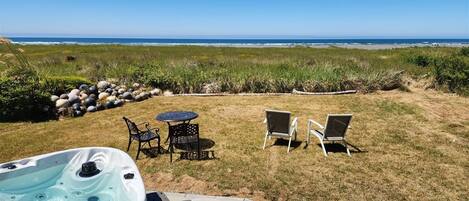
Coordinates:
x,y
175,117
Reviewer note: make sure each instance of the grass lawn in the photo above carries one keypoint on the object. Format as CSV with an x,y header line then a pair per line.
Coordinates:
x,y
414,146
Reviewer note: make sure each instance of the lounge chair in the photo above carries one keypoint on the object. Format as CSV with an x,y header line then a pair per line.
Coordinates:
x,y
142,136
279,125
335,130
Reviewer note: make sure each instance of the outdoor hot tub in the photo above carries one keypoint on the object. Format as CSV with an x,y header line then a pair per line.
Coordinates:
x,y
84,174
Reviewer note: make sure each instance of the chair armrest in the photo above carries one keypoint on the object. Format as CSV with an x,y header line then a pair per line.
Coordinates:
x,y
311,121
143,123
149,128
265,121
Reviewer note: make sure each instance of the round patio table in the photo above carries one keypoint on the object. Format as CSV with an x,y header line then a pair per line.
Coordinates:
x,y
176,116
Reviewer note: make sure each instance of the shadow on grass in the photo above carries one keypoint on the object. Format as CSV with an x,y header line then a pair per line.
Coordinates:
x,y
188,150
340,148
284,142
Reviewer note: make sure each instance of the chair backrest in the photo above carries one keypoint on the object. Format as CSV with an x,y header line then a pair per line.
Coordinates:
x,y
336,126
133,129
278,121
184,132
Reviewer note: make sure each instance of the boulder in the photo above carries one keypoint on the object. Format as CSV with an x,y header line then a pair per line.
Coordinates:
x,y
83,87
103,95
103,85
111,98
54,98
93,96
155,92
63,96
113,86
108,90
127,96
77,113
83,96
72,98
91,109
75,92
62,103
118,103
76,106
114,93
120,91
109,105
93,90
135,85
168,93
90,102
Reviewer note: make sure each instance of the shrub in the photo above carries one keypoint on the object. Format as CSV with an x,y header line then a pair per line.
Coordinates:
x,y
420,60
464,51
62,84
453,73
21,97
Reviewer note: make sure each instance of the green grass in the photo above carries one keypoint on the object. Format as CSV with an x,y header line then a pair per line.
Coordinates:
x,y
414,146
190,68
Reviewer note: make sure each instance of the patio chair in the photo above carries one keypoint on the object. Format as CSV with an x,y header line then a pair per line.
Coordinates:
x,y
279,125
143,137
185,134
334,131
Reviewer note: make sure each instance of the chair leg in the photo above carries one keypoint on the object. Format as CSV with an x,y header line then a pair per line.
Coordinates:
x,y
138,151
346,147
159,139
289,143
149,144
265,139
323,148
128,146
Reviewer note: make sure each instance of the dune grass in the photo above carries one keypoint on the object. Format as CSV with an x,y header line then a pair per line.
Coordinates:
x,y
187,69
414,146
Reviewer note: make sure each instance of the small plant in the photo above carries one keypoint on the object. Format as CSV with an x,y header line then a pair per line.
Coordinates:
x,y
420,60
464,51
453,73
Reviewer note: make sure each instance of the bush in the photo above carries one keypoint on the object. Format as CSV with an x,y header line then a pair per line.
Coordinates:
x,y
453,73
464,51
21,97
420,60
62,84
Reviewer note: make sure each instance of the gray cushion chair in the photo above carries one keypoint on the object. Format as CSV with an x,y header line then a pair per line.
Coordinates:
x,y
334,131
279,125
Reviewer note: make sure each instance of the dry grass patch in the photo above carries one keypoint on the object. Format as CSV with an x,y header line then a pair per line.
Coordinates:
x,y
414,146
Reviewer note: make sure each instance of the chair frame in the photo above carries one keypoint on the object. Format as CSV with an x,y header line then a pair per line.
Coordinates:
x,y
292,130
322,135
174,139
137,136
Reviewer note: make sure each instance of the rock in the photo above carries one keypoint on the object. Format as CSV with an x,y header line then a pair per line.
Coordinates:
x,y
111,98
93,96
83,108
91,109
103,95
109,105
127,96
62,103
64,96
62,110
118,103
83,96
121,91
114,93
168,93
155,92
113,86
138,98
72,98
76,106
70,58
130,90
136,85
108,90
77,113
100,106
75,92
93,90
90,102
54,98
83,87
103,85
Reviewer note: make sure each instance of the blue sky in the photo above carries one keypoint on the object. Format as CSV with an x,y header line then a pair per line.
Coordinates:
x,y
236,18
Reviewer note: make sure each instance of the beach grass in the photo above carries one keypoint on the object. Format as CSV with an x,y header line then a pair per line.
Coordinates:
x,y
191,69
412,146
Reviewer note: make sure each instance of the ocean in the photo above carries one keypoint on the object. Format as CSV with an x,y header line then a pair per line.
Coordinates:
x,y
233,42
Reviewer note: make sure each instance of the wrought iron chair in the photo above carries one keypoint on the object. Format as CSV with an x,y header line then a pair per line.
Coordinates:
x,y
183,133
142,136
